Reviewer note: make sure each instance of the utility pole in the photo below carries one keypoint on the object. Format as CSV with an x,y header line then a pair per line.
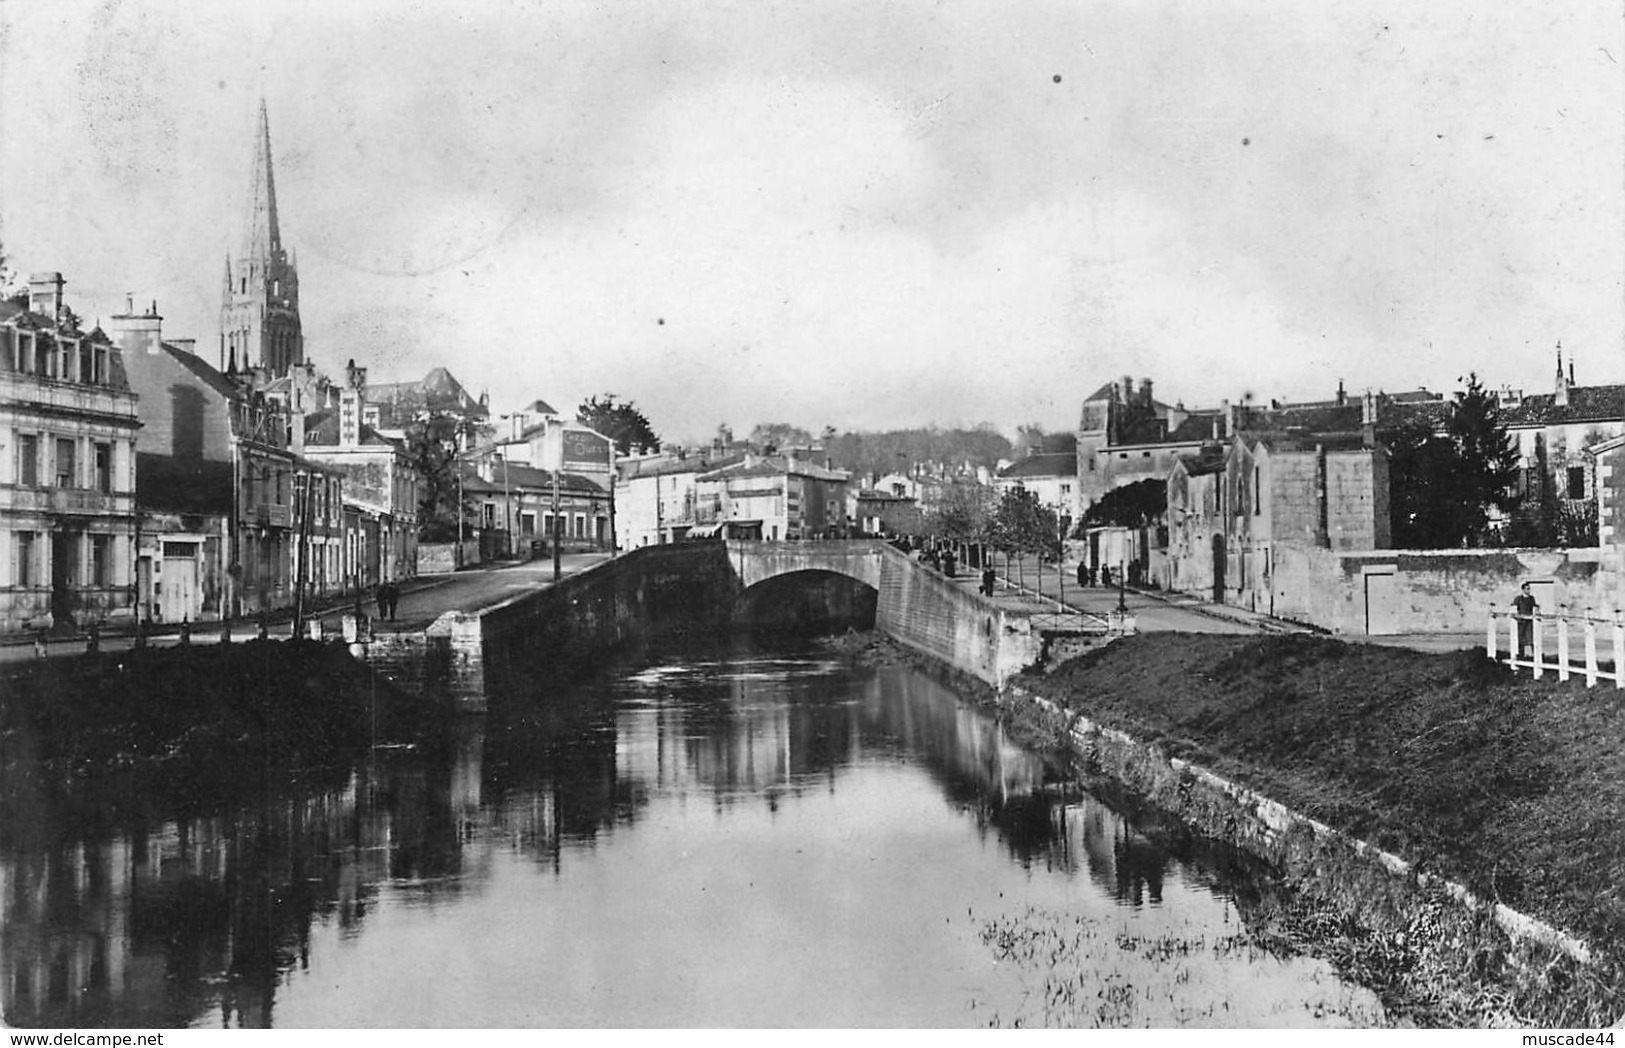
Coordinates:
x,y
557,531
457,465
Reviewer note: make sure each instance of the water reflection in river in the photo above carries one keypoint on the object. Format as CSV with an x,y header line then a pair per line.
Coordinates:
x,y
763,840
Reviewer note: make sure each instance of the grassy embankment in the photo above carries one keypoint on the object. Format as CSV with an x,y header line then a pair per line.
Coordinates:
x,y
1513,787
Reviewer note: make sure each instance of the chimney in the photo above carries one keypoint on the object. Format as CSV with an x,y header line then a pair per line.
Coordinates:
x,y
1227,420
1128,388
1145,391
1342,397
1368,409
45,294
137,332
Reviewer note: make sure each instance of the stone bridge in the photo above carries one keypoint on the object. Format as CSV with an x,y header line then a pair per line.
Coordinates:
x,y
546,634
756,562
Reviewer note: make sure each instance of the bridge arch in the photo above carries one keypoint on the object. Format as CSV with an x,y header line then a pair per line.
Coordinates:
x,y
757,562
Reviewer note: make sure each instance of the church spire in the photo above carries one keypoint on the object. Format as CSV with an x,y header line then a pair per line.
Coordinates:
x,y
261,237
259,310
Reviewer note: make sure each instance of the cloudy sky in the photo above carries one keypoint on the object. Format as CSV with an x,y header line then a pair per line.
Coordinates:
x,y
862,214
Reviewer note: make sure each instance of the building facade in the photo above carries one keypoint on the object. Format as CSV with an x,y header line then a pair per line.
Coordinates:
x,y
68,427
790,498
216,483
1245,518
379,481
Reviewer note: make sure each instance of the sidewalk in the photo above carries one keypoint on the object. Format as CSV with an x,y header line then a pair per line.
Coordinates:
x,y
329,609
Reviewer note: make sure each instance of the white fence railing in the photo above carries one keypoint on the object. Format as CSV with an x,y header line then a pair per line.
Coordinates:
x,y
1563,644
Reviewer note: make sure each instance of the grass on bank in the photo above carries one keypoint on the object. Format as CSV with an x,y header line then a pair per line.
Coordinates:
x,y
1514,787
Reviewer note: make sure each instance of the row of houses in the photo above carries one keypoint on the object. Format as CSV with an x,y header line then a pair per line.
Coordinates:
x,y
139,481
720,492
1285,507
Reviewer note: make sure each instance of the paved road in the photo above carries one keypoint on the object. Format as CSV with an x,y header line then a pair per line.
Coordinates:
x,y
1151,613
423,600
428,598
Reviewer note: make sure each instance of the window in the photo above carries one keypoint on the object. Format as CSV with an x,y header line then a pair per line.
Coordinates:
x,y
87,363
1258,492
490,514
28,460
104,468
27,573
101,560
1577,482
527,524
67,475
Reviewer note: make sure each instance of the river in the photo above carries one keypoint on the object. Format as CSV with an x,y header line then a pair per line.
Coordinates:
x,y
735,837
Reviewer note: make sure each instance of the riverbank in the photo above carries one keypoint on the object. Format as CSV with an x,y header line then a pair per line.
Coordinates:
x,y
1508,786
189,719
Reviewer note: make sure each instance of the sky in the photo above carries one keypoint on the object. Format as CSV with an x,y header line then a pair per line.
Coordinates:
x,y
863,215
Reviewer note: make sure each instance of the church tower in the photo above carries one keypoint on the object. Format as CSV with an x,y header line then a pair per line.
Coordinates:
x,y
259,309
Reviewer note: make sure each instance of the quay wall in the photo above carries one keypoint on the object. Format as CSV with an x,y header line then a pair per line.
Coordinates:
x,y
644,594
1471,941
1376,592
932,615
553,633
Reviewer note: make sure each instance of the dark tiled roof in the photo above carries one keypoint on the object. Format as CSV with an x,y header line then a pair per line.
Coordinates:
x,y
1056,464
529,478
1208,460
1196,427
776,466
322,430
226,387
694,464
1307,441
1586,404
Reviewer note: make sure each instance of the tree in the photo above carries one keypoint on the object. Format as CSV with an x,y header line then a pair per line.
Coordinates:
x,y
1442,486
771,436
1488,459
621,422
13,288
435,444
1137,505
1022,524
964,513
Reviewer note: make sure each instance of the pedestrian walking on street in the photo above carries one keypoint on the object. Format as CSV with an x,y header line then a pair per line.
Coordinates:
x,y
1526,607
380,597
987,580
1083,574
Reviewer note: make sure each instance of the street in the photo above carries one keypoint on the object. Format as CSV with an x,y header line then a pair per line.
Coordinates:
x,y
423,600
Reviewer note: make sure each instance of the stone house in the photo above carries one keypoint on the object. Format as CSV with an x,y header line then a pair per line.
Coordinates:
x,y
1552,432
216,483
68,428
1051,476
789,497
656,496
1126,435
380,481
518,505
1242,519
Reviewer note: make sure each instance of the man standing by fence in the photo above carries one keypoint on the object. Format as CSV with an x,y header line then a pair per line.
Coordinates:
x,y
1525,606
